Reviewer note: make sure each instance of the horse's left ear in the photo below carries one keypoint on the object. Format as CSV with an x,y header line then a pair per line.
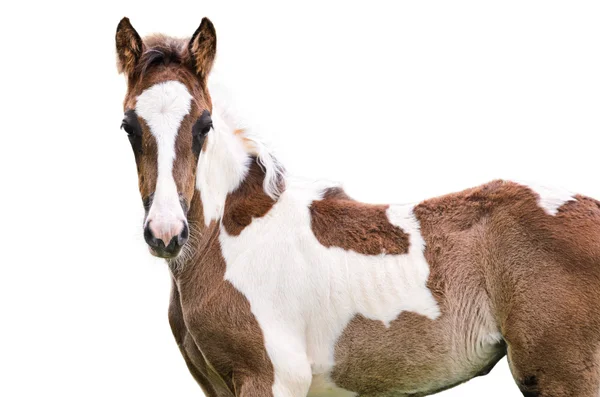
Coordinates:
x,y
203,48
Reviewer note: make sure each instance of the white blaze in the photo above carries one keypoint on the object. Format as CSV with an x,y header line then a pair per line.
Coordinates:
x,y
163,107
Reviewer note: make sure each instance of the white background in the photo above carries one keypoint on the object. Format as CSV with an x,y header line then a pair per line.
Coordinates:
x,y
401,102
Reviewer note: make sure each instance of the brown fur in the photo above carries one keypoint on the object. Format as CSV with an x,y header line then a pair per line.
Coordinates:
x,y
203,47
209,381
147,162
248,201
541,273
338,221
415,355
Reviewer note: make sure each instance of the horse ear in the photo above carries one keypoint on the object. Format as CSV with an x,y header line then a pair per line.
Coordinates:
x,y
203,48
129,47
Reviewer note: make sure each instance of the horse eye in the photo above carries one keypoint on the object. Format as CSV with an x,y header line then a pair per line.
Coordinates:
x,y
206,129
128,129
203,125
199,131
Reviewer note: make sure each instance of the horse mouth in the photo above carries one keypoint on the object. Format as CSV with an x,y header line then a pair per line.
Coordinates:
x,y
159,253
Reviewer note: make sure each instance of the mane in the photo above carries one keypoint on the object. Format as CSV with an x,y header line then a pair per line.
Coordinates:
x,y
225,106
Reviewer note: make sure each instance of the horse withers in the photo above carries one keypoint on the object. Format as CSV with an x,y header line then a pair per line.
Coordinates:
x,y
284,287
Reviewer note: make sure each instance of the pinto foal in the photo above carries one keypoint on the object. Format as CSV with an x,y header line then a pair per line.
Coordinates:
x,y
288,288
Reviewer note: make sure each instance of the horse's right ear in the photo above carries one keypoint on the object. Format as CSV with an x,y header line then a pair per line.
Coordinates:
x,y
129,47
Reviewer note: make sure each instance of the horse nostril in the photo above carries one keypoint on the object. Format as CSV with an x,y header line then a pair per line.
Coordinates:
x,y
178,241
183,236
173,246
150,239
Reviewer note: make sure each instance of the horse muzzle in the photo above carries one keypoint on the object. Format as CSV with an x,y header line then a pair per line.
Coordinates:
x,y
165,239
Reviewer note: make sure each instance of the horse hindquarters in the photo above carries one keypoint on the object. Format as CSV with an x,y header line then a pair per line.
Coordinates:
x,y
542,270
552,329
554,343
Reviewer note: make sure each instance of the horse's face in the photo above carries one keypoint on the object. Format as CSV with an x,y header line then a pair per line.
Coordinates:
x,y
167,116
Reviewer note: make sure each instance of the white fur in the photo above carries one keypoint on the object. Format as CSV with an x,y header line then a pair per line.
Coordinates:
x,y
163,107
550,198
303,294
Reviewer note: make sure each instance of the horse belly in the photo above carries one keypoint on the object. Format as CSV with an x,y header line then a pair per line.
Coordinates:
x,y
414,356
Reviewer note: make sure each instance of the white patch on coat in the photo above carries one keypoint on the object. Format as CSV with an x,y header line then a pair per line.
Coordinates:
x,y
304,294
550,198
163,107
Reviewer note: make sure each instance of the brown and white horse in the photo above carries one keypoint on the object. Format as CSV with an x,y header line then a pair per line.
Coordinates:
x,y
287,288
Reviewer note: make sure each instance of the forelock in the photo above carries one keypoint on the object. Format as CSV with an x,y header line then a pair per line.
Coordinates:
x,y
162,50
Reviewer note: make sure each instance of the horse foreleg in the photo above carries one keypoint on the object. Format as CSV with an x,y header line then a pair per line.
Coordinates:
x,y
292,375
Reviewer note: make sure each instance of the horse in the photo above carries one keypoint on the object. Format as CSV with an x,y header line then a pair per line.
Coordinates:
x,y
289,287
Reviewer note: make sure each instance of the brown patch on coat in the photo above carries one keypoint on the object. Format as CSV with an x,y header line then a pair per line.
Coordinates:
x,y
540,271
338,221
414,356
247,202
